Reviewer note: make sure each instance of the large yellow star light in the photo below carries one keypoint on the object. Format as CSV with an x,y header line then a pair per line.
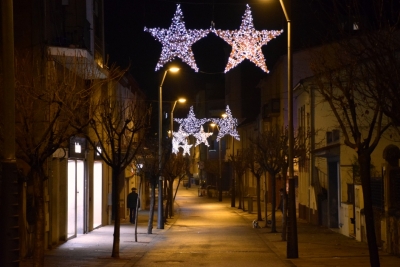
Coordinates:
x,y
247,42
177,41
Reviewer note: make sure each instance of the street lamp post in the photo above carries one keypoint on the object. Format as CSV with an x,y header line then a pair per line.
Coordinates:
x,y
219,163
139,167
292,248
160,219
180,100
219,166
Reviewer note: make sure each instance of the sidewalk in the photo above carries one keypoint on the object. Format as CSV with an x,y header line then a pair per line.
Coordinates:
x,y
317,246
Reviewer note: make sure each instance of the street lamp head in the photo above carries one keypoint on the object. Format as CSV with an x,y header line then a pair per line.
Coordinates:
x,y
173,69
224,115
182,100
212,124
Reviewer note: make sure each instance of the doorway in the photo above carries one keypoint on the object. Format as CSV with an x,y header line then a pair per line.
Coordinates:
x,y
76,204
97,193
333,197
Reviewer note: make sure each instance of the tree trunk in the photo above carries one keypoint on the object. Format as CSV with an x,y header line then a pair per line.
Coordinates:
x,y
259,217
284,209
273,218
137,207
171,198
242,189
166,210
233,197
364,160
265,201
151,211
240,193
177,187
117,219
38,249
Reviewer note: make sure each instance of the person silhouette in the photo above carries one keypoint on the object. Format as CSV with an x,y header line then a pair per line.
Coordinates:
x,y
132,202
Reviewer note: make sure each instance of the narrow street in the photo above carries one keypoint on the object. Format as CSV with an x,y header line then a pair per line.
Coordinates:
x,y
209,233
205,232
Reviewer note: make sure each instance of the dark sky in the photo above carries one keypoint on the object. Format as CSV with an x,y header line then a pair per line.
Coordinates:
x,y
127,43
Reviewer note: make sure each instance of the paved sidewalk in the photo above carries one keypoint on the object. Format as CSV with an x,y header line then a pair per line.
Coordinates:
x,y
318,246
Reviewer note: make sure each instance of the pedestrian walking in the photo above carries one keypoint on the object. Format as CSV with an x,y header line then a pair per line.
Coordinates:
x,y
132,202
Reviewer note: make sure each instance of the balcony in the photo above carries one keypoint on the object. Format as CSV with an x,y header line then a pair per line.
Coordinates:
x,y
78,60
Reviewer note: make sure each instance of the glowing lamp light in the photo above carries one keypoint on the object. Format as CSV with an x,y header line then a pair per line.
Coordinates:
x,y
174,69
78,148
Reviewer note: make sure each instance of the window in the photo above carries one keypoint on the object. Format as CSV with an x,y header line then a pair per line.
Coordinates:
x,y
332,137
350,193
272,108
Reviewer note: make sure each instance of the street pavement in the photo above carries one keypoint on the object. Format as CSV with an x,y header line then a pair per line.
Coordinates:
x,y
206,232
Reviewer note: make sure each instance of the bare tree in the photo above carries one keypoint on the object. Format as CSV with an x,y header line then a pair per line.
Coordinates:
x,y
272,146
117,126
49,96
239,167
252,158
211,166
174,167
152,171
348,77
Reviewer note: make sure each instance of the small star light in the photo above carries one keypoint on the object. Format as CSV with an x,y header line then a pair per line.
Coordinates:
x,y
186,148
227,125
180,136
247,42
177,41
175,145
202,137
191,125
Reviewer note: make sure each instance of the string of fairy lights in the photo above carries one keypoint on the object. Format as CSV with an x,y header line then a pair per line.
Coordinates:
x,y
246,42
177,41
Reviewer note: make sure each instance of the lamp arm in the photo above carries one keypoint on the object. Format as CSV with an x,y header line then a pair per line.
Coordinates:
x,y
284,10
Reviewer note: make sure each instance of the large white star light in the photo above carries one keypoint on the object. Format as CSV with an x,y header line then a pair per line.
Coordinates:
x,y
201,137
191,124
247,42
227,125
177,41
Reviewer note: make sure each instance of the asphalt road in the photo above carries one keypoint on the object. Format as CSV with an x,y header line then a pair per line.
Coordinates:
x,y
206,232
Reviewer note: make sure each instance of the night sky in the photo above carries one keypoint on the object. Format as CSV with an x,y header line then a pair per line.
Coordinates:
x,y
128,44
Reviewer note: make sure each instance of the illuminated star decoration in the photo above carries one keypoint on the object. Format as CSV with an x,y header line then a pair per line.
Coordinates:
x,y
202,137
186,148
177,41
247,42
178,138
227,125
175,146
191,124
180,135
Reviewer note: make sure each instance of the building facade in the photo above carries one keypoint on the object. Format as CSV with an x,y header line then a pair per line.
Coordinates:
x,y
68,37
